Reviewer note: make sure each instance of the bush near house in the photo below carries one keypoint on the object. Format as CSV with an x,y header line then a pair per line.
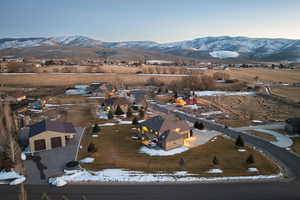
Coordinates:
x,y
141,114
135,121
129,113
239,141
96,128
110,115
199,125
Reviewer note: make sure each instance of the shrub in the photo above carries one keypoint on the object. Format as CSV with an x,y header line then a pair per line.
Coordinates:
x,y
239,141
96,128
250,159
110,115
135,121
92,148
119,110
199,125
215,160
129,113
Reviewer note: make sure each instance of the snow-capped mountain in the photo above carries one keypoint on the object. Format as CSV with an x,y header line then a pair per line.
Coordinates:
x,y
81,41
206,47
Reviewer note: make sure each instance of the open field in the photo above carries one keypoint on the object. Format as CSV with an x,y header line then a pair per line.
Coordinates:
x,y
287,92
268,137
127,75
117,150
52,80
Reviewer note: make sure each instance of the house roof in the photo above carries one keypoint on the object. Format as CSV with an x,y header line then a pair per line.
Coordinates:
x,y
295,122
170,136
48,125
162,124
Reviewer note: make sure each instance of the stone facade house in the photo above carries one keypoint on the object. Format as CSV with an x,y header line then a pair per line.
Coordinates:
x,y
168,132
47,134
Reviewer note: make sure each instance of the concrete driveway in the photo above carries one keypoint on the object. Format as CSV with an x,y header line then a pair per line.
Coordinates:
x,y
49,163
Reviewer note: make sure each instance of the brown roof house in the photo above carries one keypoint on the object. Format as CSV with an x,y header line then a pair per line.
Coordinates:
x,y
293,125
100,89
168,132
112,103
47,134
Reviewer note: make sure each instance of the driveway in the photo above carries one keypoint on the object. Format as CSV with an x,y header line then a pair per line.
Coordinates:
x,y
49,163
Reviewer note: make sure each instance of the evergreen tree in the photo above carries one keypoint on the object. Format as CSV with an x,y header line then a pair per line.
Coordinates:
x,y
196,124
250,159
159,91
96,128
119,111
92,148
215,160
135,121
110,115
129,113
181,162
239,141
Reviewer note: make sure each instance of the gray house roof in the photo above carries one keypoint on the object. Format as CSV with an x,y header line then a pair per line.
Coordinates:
x,y
116,101
162,124
47,125
295,122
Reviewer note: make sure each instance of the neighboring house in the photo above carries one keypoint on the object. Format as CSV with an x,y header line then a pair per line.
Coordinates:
x,y
168,132
112,103
3,68
293,125
14,97
47,134
100,89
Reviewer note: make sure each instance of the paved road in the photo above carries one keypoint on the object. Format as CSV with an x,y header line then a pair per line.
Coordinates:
x,y
279,125
215,191
52,162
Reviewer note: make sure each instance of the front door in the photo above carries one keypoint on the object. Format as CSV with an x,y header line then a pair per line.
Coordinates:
x,y
39,145
55,142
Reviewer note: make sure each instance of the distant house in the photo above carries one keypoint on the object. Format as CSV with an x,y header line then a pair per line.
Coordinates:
x,y
47,134
293,125
168,132
14,97
3,68
100,89
12,59
112,103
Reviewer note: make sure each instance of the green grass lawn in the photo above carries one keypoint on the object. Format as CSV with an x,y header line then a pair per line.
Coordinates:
x,y
116,149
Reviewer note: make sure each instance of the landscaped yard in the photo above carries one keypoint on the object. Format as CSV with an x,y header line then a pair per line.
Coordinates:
x,y
116,149
266,136
296,145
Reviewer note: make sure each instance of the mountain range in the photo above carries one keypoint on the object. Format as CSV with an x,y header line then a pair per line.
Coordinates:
x,y
223,47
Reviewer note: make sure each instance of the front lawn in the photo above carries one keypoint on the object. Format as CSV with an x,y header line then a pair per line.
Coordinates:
x,y
116,149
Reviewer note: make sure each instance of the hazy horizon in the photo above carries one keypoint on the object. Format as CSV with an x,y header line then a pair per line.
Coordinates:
x,y
158,21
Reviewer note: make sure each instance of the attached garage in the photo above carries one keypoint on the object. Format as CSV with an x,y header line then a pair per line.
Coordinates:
x,y
39,145
46,135
55,142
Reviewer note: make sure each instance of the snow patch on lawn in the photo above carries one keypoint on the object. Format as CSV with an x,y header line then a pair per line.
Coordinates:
x,y
211,113
242,150
10,176
160,152
87,160
122,175
59,182
215,171
252,169
107,124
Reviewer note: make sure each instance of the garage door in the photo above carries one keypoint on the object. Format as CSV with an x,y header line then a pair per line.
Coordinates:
x,y
55,142
39,145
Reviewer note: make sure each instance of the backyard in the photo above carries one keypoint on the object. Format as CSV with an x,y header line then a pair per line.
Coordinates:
x,y
116,149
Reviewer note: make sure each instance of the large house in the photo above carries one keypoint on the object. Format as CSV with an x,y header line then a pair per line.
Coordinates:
x,y
47,134
100,89
167,132
112,103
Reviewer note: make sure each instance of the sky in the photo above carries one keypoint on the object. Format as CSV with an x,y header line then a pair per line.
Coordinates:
x,y
155,20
